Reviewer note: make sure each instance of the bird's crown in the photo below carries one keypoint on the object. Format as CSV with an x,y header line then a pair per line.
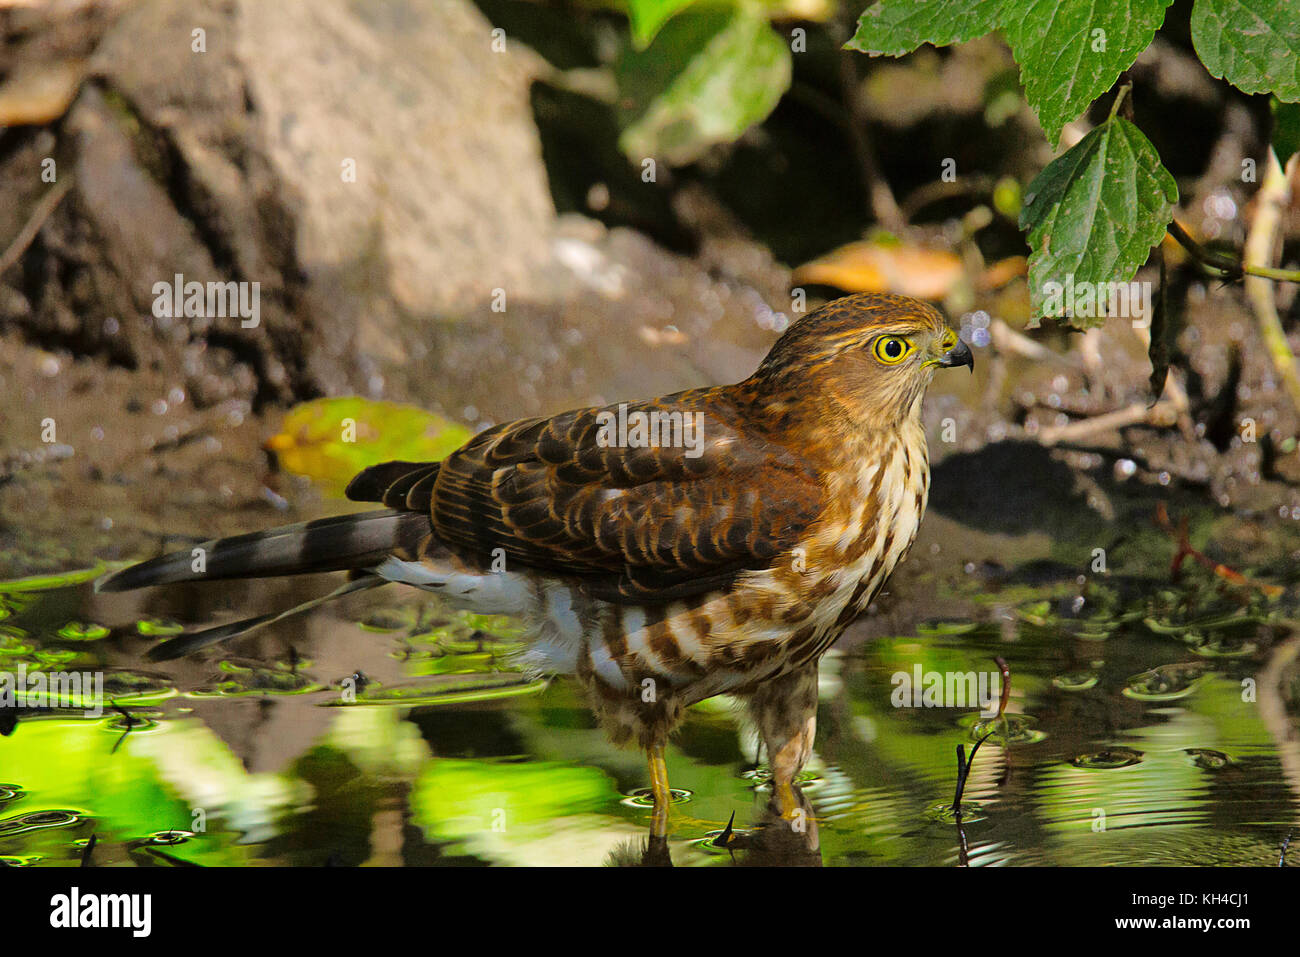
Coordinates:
x,y
849,323
858,362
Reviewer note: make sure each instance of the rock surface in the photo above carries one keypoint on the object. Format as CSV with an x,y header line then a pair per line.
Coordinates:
x,y
438,274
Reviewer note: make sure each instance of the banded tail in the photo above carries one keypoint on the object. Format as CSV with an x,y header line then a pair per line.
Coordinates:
x,y
342,543
354,543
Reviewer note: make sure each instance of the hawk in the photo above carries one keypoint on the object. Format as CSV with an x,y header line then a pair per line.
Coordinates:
x,y
718,540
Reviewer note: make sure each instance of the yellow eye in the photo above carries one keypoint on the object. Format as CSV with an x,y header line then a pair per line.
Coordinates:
x,y
892,350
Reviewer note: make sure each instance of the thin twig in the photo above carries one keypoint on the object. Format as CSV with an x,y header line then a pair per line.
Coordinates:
x,y
937,190
1163,413
1123,94
44,207
963,764
1230,268
884,207
89,849
1186,551
1009,340
1261,241
963,771
130,725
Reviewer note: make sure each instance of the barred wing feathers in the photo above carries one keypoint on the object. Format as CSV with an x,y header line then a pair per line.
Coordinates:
x,y
633,522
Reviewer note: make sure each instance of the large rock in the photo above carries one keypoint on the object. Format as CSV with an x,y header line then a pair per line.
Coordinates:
x,y
215,140
364,163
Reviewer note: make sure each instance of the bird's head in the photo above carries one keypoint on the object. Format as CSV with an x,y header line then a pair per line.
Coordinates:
x,y
863,359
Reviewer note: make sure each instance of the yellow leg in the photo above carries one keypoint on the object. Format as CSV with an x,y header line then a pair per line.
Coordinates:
x,y
659,788
785,710
787,802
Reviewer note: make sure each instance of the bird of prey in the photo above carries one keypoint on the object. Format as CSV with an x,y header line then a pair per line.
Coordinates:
x,y
657,567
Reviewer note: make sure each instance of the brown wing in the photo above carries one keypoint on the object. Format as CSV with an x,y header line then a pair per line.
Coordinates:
x,y
635,523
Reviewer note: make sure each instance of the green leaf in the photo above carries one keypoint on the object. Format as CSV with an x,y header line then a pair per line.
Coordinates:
x,y
707,77
647,16
1093,215
1072,51
1253,44
1286,129
47,582
895,27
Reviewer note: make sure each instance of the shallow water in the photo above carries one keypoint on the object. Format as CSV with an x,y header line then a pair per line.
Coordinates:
x,y
399,734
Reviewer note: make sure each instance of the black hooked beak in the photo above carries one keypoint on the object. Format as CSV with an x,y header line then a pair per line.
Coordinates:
x,y
958,355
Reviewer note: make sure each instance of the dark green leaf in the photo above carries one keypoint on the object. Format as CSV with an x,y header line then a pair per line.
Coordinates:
x,y
895,27
1093,215
1253,44
1072,51
1286,129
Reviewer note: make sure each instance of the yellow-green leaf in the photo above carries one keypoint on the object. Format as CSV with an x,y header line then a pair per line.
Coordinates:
x,y
331,440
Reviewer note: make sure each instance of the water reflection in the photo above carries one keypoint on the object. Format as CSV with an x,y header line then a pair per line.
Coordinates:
x,y
394,734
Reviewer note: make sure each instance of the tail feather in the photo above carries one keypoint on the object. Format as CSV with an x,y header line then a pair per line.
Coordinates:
x,y
342,543
389,483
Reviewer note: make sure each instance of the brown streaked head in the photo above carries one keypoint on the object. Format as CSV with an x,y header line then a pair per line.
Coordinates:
x,y
860,360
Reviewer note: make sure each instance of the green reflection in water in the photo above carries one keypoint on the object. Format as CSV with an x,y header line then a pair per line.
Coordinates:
x,y
446,754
